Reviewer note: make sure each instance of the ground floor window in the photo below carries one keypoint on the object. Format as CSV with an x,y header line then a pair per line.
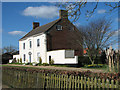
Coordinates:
x,y
24,57
69,54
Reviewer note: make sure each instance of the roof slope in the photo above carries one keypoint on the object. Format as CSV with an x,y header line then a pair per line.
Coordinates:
x,y
40,29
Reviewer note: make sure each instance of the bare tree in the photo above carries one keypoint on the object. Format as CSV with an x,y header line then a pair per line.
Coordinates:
x,y
95,36
74,8
9,49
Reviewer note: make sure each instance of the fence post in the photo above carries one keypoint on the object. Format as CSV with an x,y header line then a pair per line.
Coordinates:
x,y
67,82
95,83
81,82
73,80
85,81
103,83
88,82
49,80
59,81
70,81
99,83
62,82
44,80
107,83
92,83
55,80
78,81
112,83
117,84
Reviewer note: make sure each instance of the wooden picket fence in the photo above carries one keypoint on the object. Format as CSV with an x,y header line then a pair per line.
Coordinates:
x,y
65,81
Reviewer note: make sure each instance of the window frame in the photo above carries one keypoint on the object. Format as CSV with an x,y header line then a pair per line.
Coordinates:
x,y
30,44
23,45
69,54
59,29
38,42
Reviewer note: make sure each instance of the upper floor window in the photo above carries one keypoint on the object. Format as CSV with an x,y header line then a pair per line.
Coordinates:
x,y
23,45
59,27
30,44
38,42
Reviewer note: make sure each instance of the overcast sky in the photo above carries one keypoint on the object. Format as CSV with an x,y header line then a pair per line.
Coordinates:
x,y
17,18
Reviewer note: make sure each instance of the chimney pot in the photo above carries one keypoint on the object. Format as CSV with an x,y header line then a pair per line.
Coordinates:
x,y
35,25
63,14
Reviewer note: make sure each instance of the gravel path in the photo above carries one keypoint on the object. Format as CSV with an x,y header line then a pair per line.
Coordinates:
x,y
58,68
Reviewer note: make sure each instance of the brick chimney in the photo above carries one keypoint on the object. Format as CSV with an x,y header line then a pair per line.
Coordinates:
x,y
63,14
35,24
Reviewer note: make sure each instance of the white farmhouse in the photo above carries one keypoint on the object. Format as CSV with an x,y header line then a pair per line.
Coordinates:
x,y
56,41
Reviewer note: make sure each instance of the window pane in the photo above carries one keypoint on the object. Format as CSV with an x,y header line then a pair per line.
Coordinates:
x,y
59,27
69,53
30,44
24,57
38,42
23,45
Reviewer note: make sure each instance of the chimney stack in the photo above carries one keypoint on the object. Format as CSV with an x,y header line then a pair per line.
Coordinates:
x,y
63,14
35,25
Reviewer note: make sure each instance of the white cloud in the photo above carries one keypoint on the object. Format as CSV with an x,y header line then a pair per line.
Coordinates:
x,y
21,33
101,11
41,12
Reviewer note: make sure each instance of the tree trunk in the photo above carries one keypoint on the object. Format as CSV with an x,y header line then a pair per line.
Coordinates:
x,y
109,63
118,64
113,65
92,61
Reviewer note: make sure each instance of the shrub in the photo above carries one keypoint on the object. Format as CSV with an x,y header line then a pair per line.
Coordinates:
x,y
28,63
84,60
26,60
45,64
20,60
34,63
51,62
39,64
14,60
40,60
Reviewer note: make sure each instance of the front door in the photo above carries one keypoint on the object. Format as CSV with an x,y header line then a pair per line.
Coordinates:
x,y
49,59
30,57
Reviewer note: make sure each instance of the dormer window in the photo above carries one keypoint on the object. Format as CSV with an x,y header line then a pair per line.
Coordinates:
x,y
59,27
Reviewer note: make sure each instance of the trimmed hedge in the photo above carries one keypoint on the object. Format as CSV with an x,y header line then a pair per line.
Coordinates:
x,y
84,60
114,76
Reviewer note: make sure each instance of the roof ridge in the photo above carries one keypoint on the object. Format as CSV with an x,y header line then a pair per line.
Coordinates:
x,y
48,23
